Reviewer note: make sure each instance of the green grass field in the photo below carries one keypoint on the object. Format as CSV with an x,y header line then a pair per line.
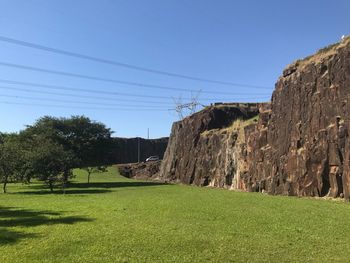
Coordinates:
x,y
115,219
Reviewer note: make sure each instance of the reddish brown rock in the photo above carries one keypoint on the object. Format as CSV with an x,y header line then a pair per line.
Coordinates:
x,y
204,148
144,170
301,145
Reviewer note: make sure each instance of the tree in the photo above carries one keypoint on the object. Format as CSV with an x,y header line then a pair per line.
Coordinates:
x,y
11,160
90,141
2,137
98,169
52,147
52,164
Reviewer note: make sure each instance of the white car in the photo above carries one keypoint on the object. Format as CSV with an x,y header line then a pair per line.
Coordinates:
x,y
152,158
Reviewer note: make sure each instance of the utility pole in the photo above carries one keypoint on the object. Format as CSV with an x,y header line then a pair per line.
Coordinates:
x,y
138,149
148,133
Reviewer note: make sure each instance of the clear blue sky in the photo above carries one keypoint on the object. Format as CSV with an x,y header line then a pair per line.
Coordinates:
x,y
248,42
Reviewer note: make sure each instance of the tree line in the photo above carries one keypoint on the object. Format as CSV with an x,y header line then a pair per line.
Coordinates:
x,y
51,148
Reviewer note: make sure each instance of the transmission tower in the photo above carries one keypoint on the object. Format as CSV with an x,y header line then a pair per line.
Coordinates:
x,y
189,107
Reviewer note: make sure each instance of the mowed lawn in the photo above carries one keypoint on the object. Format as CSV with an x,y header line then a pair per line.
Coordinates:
x,y
115,219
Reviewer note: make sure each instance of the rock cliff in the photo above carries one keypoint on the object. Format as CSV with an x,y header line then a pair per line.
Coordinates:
x,y
298,144
204,148
301,145
144,170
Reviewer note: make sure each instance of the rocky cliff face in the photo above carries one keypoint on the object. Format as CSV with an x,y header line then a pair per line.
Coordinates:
x,y
203,149
144,170
301,144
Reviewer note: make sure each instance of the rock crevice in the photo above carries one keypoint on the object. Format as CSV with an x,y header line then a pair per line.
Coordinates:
x,y
203,148
301,147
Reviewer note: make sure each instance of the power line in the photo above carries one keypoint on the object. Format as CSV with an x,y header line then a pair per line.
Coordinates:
x,y
84,96
82,76
125,65
82,102
77,107
75,95
32,84
88,90
96,97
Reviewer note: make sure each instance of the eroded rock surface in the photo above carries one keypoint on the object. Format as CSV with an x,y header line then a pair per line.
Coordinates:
x,y
203,149
145,170
301,144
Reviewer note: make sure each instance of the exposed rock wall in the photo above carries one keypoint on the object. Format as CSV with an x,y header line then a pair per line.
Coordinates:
x,y
203,148
142,170
126,149
301,144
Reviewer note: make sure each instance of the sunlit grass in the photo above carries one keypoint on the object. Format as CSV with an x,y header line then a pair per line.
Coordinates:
x,y
115,219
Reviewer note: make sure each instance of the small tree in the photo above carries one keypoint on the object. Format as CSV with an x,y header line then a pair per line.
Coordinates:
x,y
90,170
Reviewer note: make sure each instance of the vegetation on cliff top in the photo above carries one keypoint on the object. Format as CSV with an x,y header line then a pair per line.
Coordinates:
x,y
114,219
236,126
322,53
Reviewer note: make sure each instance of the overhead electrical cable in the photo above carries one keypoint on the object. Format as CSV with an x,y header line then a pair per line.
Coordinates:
x,y
32,84
77,107
75,95
83,102
107,98
129,83
125,65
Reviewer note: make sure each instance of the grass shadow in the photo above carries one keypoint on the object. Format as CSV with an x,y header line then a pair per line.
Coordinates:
x,y
85,188
6,212
107,185
9,236
41,220
15,217
68,192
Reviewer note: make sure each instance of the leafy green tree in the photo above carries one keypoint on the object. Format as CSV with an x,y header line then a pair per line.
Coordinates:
x,y
53,164
11,160
52,147
90,141
28,147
